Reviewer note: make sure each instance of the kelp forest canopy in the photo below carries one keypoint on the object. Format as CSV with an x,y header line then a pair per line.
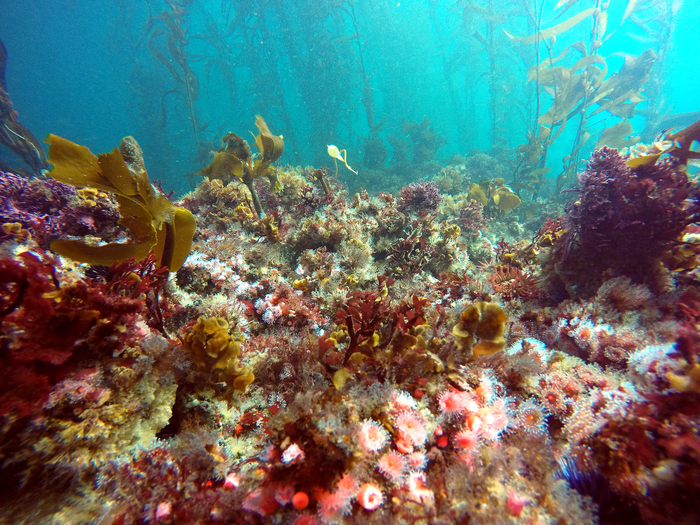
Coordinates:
x,y
536,84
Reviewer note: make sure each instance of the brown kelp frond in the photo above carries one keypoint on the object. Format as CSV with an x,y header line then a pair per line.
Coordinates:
x,y
494,190
234,158
271,146
153,221
680,148
556,30
615,136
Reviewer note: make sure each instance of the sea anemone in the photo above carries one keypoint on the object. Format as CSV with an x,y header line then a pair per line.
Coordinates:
x,y
513,283
392,465
347,486
485,391
411,428
417,460
417,489
452,402
494,421
467,440
554,400
402,400
331,506
292,454
532,417
284,494
371,436
370,497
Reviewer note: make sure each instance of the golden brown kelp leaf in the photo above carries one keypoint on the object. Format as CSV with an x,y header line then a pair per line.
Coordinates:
x,y
565,102
631,4
614,136
476,193
556,30
152,220
213,350
539,70
588,61
505,199
601,26
680,148
235,158
622,106
569,4
683,140
237,147
222,167
626,84
571,86
641,161
271,146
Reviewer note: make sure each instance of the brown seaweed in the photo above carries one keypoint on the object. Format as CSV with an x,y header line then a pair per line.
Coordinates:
x,y
175,59
556,30
153,221
13,134
235,159
681,147
581,91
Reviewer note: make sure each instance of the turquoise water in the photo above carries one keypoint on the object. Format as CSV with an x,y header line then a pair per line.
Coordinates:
x,y
84,70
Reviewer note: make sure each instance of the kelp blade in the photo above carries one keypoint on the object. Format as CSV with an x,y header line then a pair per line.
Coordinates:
x,y
556,30
184,226
114,169
104,255
271,146
75,164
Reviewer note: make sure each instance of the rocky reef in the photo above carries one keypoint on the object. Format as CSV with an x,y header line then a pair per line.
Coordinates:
x,y
442,355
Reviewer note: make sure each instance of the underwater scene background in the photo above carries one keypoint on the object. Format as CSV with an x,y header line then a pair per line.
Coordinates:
x,y
350,261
